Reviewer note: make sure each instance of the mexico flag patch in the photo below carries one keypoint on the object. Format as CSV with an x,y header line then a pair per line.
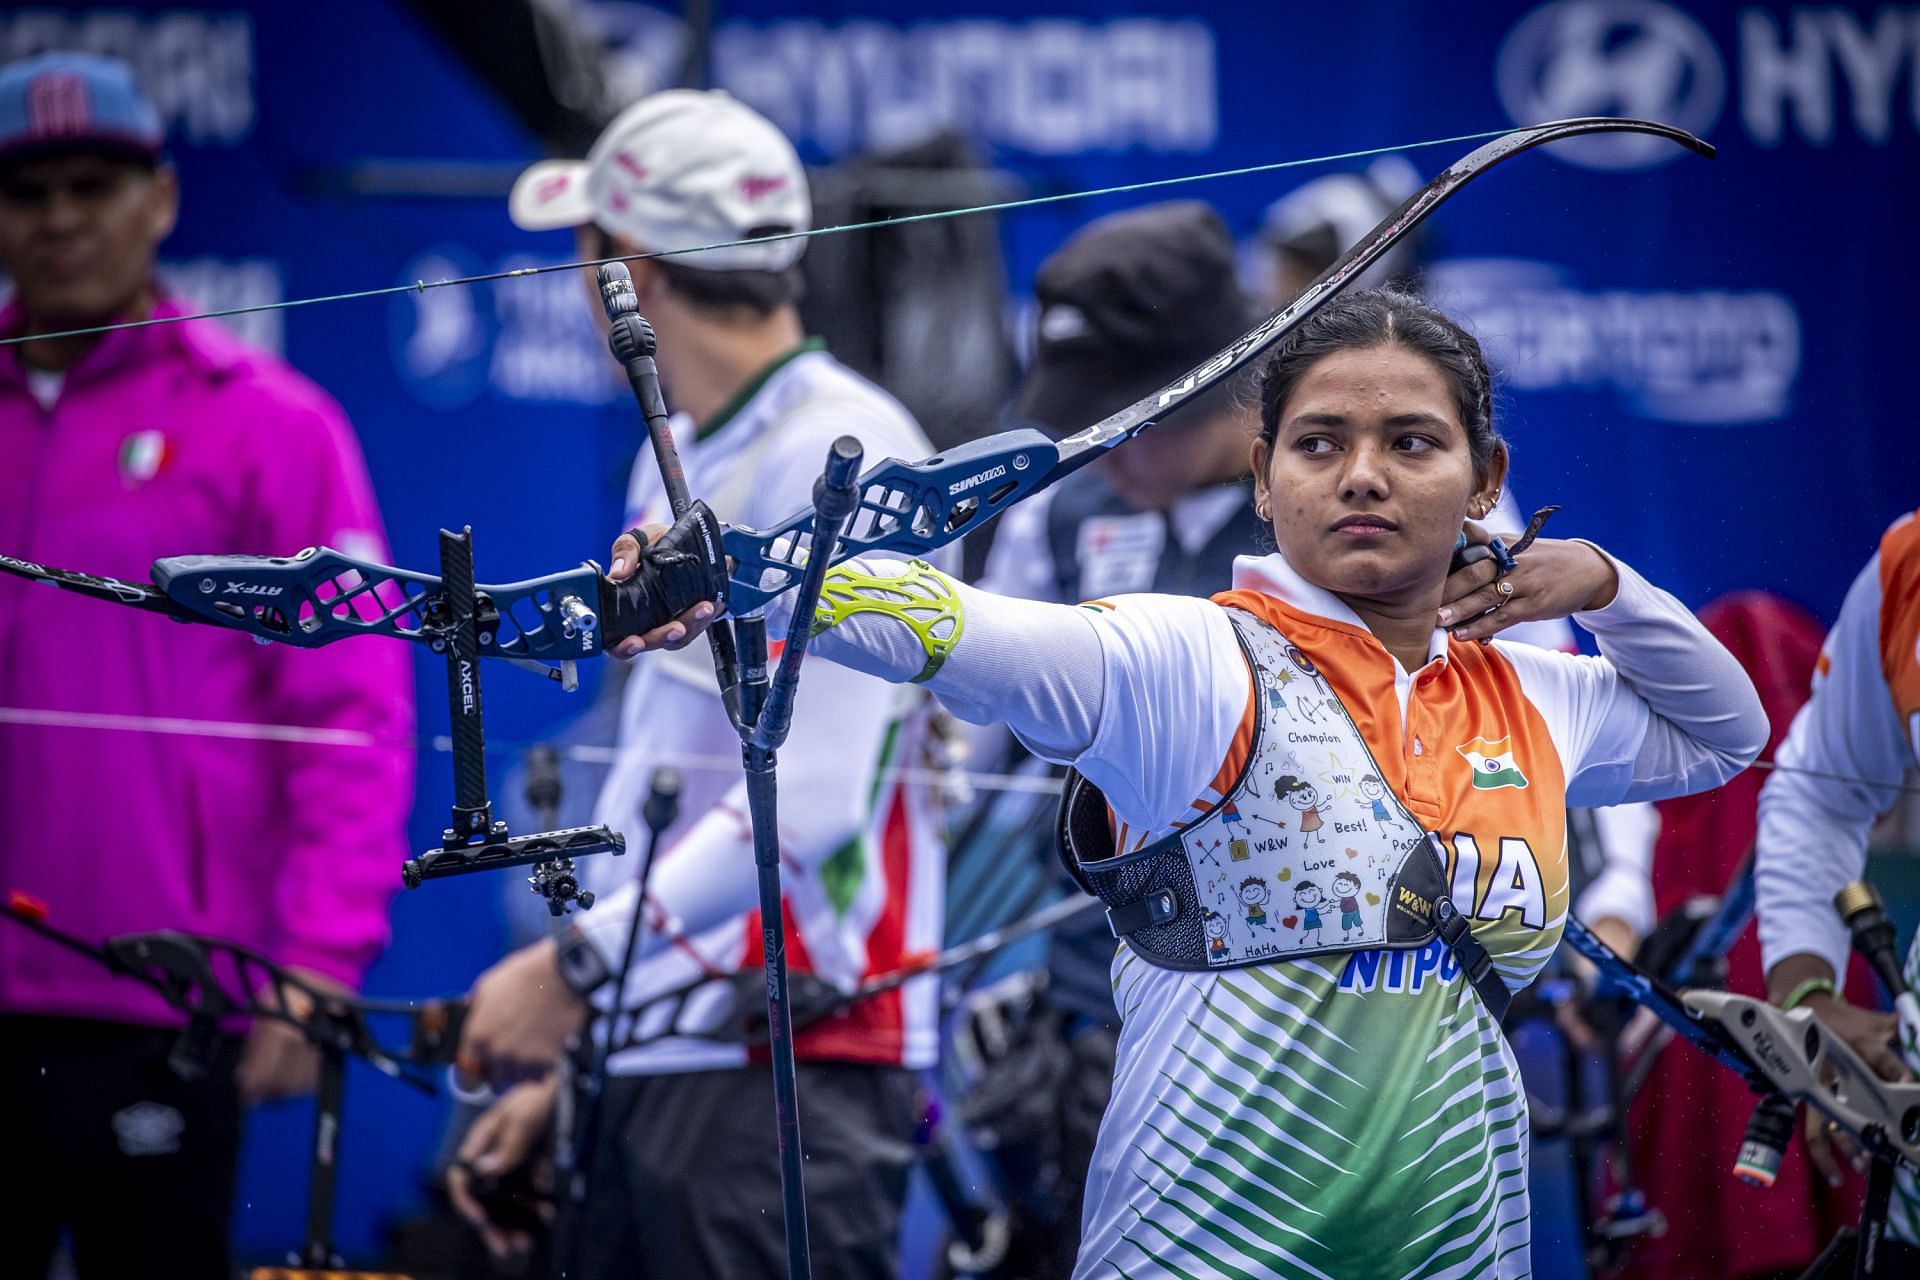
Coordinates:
x,y
142,455
1492,763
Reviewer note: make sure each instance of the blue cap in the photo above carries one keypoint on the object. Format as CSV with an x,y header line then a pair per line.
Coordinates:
x,y
75,102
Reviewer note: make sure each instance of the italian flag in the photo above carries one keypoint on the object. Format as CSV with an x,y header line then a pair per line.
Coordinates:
x,y
1492,763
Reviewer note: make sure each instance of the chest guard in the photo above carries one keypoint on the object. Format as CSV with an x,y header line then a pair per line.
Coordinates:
x,y
1309,854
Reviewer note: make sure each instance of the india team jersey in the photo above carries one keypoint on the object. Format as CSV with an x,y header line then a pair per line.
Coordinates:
x,y
1839,769
1267,1121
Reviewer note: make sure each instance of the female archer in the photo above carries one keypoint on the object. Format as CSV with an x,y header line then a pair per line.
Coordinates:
x,y
1268,1117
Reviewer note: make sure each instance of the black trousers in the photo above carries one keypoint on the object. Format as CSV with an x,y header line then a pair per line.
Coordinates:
x,y
107,1142
684,1176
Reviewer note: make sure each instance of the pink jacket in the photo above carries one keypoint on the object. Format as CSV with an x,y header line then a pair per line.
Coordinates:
x,y
172,440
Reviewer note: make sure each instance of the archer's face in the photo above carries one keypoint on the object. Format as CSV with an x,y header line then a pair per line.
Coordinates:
x,y
79,234
1370,477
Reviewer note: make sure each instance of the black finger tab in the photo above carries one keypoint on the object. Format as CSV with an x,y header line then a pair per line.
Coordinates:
x,y
1469,555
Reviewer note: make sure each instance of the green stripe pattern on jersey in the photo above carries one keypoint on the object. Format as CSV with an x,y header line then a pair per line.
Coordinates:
x,y
1267,1123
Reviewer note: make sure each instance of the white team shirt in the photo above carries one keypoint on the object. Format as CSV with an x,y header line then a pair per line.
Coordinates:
x,y
1840,768
757,468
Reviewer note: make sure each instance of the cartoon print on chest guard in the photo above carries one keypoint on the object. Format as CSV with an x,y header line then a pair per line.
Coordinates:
x,y
1215,925
1374,792
1346,890
1289,702
1302,795
1307,900
1282,879
1255,893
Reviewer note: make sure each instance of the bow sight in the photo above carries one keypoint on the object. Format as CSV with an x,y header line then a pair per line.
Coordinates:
x,y
319,596
461,622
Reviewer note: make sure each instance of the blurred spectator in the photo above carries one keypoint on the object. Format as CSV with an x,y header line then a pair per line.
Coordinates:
x,y
919,307
1306,229
1690,1117
681,1168
1839,769
121,448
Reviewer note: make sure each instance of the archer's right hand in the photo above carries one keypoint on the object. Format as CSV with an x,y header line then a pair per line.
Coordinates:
x,y
507,1147
666,585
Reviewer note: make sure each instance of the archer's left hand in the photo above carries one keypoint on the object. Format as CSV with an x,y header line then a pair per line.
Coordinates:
x,y
278,1061
1551,579
663,584
519,1019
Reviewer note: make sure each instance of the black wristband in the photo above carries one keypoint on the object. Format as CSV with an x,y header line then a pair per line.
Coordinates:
x,y
582,967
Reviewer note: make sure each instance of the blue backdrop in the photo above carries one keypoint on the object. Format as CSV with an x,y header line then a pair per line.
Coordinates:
x,y
1709,364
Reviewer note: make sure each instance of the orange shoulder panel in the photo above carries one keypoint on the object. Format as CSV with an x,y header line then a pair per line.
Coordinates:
x,y
1900,613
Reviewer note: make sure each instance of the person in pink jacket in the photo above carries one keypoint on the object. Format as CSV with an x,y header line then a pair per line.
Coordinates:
x,y
133,795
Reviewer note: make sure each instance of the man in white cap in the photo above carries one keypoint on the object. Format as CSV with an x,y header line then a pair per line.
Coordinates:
x,y
682,1170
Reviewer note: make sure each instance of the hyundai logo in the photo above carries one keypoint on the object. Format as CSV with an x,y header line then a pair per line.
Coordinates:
x,y
1635,58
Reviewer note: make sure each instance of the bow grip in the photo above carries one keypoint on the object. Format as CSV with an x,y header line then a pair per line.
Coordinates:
x,y
627,609
685,566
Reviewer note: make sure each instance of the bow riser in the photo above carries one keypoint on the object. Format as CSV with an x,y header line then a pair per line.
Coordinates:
x,y
903,506
321,595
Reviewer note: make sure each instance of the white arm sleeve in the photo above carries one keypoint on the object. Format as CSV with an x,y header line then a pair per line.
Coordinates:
x,y
1664,711
991,675
1838,769
1019,565
1144,697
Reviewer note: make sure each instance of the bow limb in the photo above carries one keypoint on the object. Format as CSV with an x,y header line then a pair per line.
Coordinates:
x,y
915,507
321,595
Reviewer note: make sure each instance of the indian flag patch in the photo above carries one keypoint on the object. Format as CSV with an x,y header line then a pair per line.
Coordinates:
x,y
142,454
1493,765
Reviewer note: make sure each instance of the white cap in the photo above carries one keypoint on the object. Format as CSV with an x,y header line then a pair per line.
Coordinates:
x,y
677,170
